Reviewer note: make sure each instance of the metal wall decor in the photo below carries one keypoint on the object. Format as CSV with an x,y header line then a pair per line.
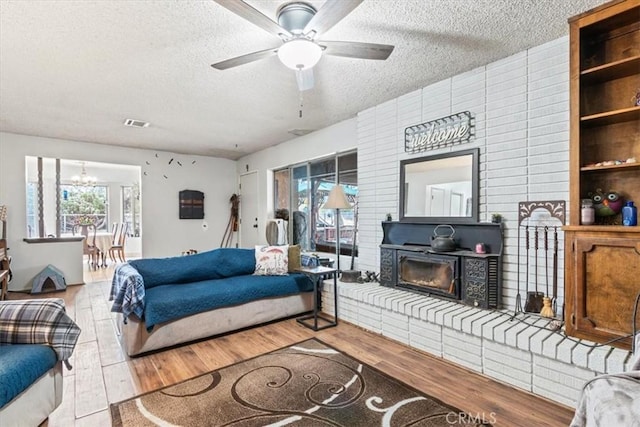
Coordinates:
x,y
443,132
556,209
172,162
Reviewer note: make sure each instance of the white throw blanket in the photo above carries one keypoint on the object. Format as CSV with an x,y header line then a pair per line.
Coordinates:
x,y
611,400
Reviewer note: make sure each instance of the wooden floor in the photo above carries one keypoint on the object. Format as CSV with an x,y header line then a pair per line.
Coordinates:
x,y
103,374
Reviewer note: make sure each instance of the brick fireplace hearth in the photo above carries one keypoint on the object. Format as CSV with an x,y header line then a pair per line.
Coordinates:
x,y
453,323
519,352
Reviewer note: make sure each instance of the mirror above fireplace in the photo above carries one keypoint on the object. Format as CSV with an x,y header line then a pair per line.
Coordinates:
x,y
440,188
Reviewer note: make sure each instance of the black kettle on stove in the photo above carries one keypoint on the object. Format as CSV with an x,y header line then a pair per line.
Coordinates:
x,y
442,239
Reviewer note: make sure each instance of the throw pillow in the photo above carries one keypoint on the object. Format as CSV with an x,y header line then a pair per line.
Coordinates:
x,y
309,260
272,260
294,257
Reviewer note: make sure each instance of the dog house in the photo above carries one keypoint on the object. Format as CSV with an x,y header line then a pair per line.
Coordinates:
x,y
50,278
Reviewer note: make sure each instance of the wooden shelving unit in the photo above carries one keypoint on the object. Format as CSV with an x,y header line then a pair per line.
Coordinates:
x,y
602,261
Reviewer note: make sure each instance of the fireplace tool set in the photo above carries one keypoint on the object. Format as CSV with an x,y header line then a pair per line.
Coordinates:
x,y
538,224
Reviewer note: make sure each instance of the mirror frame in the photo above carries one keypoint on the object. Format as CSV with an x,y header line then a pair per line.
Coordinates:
x,y
475,192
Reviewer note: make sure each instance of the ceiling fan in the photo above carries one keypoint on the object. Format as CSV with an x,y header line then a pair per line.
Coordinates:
x,y
299,25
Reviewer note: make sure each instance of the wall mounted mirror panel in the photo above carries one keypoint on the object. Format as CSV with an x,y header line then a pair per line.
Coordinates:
x,y
440,188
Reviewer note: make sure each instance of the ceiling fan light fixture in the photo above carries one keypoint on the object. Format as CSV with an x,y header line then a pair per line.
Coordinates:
x,y
300,54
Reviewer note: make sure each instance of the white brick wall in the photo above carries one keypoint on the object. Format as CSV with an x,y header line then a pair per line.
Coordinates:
x,y
521,109
517,351
463,349
558,381
425,336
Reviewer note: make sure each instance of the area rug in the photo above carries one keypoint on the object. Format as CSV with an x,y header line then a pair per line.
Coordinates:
x,y
306,384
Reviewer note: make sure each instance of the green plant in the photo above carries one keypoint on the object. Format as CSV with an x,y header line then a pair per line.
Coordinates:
x,y
84,202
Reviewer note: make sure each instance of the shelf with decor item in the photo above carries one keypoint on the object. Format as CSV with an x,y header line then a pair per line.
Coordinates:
x,y
602,260
634,165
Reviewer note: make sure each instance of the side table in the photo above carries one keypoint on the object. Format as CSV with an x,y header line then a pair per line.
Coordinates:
x,y
316,274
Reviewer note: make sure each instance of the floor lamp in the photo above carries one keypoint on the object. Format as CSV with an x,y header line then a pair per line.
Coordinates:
x,y
337,200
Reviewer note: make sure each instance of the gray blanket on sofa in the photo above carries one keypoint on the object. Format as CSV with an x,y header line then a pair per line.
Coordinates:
x,y
611,399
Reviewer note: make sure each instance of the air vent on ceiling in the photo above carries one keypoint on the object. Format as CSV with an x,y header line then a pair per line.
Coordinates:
x,y
136,123
299,132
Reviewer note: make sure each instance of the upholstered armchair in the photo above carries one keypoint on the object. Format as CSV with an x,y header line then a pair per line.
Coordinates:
x,y
36,338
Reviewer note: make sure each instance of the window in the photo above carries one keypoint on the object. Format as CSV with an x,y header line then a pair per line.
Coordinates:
x,y
83,205
131,209
32,209
303,189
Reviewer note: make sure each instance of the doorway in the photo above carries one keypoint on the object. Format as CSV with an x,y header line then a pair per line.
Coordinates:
x,y
66,196
250,230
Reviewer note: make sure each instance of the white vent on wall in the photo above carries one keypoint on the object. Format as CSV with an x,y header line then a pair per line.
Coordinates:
x,y
136,123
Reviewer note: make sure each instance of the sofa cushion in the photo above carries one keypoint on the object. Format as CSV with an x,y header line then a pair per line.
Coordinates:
x,y
168,302
294,258
215,264
272,260
20,366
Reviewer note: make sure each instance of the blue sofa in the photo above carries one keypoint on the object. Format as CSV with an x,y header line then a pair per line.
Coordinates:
x,y
36,337
169,301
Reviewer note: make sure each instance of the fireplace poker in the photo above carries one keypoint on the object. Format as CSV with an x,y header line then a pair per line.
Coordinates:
x,y
546,259
555,269
526,236
535,245
518,298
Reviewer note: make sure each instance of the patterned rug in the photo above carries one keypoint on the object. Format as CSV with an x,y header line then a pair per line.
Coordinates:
x,y
306,384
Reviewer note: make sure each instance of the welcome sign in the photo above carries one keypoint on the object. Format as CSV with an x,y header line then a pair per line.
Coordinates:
x,y
454,129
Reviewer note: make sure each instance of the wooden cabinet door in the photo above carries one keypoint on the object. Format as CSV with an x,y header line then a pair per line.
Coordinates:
x,y
605,278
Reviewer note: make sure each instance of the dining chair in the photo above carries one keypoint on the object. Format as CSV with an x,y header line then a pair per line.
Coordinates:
x,y
88,243
119,236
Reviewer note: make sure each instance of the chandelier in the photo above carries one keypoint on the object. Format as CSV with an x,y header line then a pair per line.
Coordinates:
x,y
84,180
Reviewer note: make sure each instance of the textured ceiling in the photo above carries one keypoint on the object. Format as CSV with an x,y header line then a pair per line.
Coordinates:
x,y
76,69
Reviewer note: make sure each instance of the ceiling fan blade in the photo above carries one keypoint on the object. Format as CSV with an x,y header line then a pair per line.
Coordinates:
x,y
245,59
357,49
329,15
254,16
305,79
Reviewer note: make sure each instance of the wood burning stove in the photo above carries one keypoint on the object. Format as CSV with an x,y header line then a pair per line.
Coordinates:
x,y
428,273
408,262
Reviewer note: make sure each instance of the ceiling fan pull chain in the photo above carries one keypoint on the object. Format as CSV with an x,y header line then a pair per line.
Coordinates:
x,y
301,105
